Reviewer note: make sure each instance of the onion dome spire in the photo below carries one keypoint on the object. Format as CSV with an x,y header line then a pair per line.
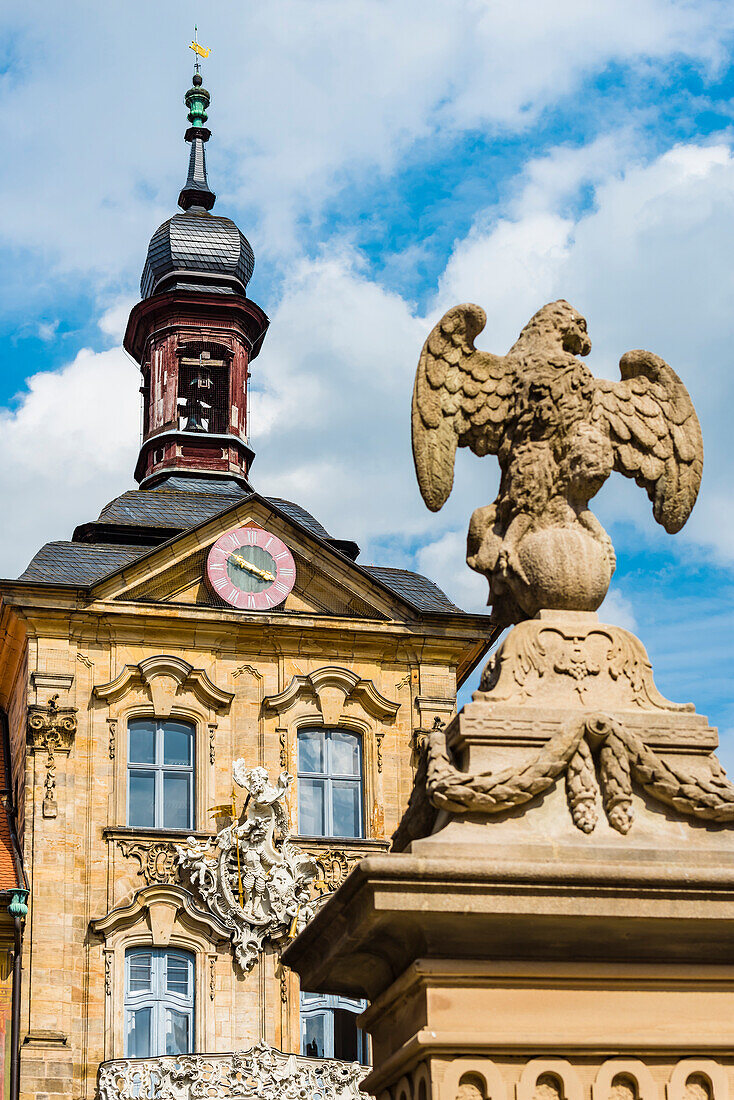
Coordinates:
x,y
196,192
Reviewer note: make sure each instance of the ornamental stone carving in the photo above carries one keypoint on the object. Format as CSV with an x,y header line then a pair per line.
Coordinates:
x,y
156,859
252,876
51,729
336,690
558,433
166,677
251,1074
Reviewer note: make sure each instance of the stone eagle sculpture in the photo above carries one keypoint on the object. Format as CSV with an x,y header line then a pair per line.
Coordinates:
x,y
558,433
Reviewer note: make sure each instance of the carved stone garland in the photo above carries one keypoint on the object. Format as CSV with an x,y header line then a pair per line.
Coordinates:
x,y
251,875
51,729
622,756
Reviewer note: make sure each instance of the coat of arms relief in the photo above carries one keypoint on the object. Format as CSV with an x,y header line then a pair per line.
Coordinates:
x,y
251,875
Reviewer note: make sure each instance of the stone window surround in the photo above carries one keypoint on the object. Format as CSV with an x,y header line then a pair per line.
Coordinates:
x,y
162,687
336,698
159,916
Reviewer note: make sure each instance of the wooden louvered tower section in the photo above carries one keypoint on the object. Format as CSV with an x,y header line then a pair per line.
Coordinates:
x,y
195,332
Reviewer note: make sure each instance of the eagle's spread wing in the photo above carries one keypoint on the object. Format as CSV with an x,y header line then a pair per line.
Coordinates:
x,y
460,398
655,434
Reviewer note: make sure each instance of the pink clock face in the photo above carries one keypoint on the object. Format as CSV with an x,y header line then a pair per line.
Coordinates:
x,y
251,569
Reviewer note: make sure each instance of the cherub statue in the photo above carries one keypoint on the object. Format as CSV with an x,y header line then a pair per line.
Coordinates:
x,y
558,433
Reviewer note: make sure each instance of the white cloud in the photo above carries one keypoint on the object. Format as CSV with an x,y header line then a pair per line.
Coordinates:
x,y
649,266
618,610
305,101
67,448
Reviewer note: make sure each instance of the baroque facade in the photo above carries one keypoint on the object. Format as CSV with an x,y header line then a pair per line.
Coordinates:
x,y
159,671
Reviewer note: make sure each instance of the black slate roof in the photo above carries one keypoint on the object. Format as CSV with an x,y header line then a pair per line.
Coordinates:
x,y
178,505
202,244
415,588
78,563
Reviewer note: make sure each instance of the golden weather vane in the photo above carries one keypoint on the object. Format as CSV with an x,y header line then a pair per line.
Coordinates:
x,y
200,51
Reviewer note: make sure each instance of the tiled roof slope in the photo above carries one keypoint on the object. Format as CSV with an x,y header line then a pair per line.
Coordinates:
x,y
414,588
79,563
178,506
180,509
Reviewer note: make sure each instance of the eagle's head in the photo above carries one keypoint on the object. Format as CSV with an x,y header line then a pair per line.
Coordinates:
x,y
559,323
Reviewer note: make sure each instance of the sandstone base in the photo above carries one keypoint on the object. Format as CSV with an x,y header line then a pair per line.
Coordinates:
x,y
514,954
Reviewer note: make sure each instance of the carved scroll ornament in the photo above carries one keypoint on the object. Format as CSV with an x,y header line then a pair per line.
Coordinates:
x,y
51,729
251,875
580,748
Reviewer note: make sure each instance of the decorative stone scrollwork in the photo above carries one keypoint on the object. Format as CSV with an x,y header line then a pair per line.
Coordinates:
x,y
165,677
334,868
251,1074
252,876
336,690
157,859
51,729
569,654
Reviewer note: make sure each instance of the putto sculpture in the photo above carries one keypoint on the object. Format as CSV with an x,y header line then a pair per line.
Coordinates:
x,y
251,875
558,433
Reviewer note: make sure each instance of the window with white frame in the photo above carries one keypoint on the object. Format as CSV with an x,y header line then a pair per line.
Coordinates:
x,y
330,795
159,1002
329,1028
160,772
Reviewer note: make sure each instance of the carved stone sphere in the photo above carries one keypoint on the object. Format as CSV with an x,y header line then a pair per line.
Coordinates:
x,y
567,569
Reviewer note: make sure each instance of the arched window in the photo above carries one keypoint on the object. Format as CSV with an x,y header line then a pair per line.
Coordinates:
x,y
330,799
159,1002
160,774
329,1028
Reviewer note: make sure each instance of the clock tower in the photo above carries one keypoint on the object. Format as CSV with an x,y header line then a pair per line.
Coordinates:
x,y
195,332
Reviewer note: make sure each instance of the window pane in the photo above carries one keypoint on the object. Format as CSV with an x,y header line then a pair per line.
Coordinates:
x,y
139,971
142,742
311,819
177,975
177,743
346,808
177,1032
176,801
141,810
313,1036
344,753
138,1034
346,1042
311,751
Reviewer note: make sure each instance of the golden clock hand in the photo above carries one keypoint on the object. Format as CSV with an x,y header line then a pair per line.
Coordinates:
x,y
245,564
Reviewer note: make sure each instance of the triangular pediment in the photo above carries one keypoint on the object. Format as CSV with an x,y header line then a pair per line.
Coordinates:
x,y
326,581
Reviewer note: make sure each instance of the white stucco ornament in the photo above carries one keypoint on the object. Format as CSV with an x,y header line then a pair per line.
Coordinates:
x,y
251,875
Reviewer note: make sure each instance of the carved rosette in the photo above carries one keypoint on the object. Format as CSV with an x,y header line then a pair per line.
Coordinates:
x,y
252,876
51,729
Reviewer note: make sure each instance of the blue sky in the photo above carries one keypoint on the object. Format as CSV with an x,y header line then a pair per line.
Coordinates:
x,y
387,160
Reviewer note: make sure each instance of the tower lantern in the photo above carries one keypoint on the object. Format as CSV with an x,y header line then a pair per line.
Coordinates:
x,y
195,332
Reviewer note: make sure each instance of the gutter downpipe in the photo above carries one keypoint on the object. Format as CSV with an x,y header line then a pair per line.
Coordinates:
x,y
18,910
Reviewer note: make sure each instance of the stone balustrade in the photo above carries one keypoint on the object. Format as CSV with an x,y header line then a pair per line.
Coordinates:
x,y
260,1073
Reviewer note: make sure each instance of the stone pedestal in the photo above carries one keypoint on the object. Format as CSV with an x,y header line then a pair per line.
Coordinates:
x,y
563,927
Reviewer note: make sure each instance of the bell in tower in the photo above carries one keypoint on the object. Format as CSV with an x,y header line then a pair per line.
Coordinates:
x,y
195,332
